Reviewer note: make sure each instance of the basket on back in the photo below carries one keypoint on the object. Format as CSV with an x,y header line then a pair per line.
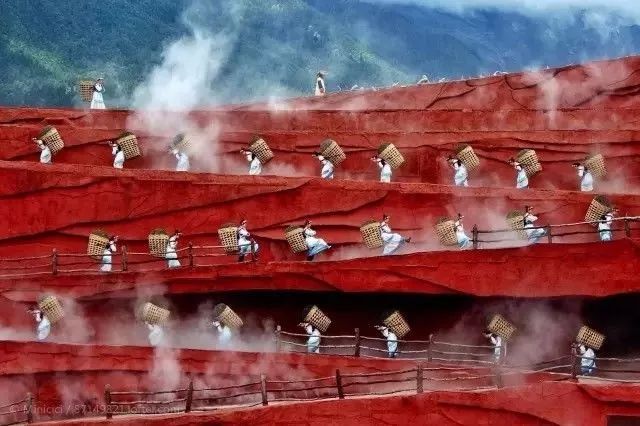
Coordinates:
x,y
226,316
467,155
129,144
85,88
396,323
98,241
295,238
446,230
51,138
590,338
261,150
51,307
599,206
228,235
158,239
515,221
181,142
528,159
595,164
330,150
500,326
371,234
317,318
153,314
390,154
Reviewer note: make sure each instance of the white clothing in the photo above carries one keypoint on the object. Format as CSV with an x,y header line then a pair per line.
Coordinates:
x,y
586,181
313,342
522,181
327,168
463,240
171,255
533,234
588,362
107,258
155,334
604,227
392,241
392,341
320,87
496,341
244,242
224,333
45,155
460,178
385,172
316,245
118,158
255,166
44,326
183,161
97,102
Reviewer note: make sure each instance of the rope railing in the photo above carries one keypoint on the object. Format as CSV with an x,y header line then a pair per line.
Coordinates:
x,y
18,412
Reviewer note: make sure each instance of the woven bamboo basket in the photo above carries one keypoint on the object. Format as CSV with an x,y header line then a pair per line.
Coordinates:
x,y
181,142
599,205
51,138
228,235
528,159
129,144
260,148
397,324
98,241
317,318
227,316
158,239
446,230
467,155
295,238
515,221
332,152
595,164
389,153
500,326
51,307
154,314
85,88
589,337
371,235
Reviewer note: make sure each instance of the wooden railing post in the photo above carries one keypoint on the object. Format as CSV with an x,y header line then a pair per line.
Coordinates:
x,y
190,254
54,262
278,339
419,379
107,401
187,407
474,237
29,408
339,384
356,351
253,251
263,389
429,349
627,228
549,236
574,361
125,265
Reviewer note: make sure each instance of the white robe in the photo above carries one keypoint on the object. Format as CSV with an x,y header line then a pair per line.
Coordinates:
x,y
327,169
463,240
156,334
224,333
460,178
255,166
533,234
522,180
183,162
316,245
586,181
496,341
385,172
588,362
96,100
392,241
392,341
107,258
118,158
604,227
244,242
313,342
171,255
44,327
320,87
45,155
